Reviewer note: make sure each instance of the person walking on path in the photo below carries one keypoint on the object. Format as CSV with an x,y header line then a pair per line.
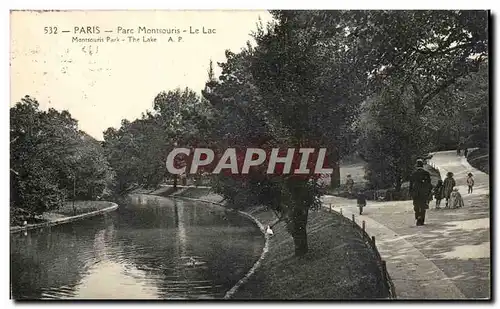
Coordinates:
x,y
349,184
470,182
420,190
438,193
466,152
456,200
361,201
449,184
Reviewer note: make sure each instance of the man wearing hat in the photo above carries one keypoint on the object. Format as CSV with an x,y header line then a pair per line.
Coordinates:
x,y
420,190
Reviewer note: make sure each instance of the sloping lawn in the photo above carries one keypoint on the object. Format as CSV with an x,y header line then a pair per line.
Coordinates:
x,y
480,159
339,265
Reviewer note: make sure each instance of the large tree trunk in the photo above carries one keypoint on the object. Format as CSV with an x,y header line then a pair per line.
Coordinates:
x,y
300,241
299,232
398,182
335,177
333,160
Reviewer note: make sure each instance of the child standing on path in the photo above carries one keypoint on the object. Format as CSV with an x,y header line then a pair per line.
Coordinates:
x,y
470,182
449,184
438,193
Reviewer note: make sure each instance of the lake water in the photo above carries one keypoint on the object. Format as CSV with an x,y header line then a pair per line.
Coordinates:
x,y
150,248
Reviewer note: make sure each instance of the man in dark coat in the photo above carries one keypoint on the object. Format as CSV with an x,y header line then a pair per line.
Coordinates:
x,y
420,190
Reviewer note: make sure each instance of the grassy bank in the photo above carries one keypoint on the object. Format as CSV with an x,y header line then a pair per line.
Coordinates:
x,y
202,193
68,209
480,159
51,218
339,265
80,207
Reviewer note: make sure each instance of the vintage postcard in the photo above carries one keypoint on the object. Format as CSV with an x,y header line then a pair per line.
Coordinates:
x,y
250,155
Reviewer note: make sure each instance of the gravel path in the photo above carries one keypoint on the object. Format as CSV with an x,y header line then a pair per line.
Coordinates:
x,y
449,257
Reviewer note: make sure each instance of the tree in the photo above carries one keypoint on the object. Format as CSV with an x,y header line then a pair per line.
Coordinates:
x,y
476,93
254,110
138,150
36,154
426,54
94,176
310,71
392,137
47,152
135,153
428,50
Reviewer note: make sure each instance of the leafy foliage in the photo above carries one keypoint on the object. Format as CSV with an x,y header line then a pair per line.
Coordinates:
x,y
459,115
392,137
280,94
50,158
138,150
350,81
306,81
427,54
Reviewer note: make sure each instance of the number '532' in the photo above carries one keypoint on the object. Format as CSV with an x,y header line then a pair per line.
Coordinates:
x,y
50,30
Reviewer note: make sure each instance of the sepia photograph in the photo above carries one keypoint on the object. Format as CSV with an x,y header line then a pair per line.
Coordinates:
x,y
250,155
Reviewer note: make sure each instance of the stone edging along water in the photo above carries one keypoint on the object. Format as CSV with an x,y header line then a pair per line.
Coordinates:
x,y
257,264
112,207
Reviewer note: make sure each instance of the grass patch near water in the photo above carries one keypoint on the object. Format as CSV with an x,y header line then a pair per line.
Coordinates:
x,y
339,265
81,207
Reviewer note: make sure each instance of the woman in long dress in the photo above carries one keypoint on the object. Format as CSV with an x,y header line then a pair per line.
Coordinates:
x,y
456,200
448,184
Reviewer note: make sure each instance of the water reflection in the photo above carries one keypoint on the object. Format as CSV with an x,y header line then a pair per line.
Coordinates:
x,y
143,250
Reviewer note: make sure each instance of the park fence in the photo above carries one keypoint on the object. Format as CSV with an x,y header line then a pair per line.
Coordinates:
x,y
370,240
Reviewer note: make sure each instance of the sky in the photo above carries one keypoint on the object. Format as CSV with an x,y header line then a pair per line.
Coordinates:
x,y
101,83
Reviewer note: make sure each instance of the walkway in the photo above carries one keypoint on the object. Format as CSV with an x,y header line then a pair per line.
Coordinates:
x,y
449,257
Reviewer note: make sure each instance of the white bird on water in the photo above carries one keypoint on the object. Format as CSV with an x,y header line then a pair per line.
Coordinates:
x,y
269,231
